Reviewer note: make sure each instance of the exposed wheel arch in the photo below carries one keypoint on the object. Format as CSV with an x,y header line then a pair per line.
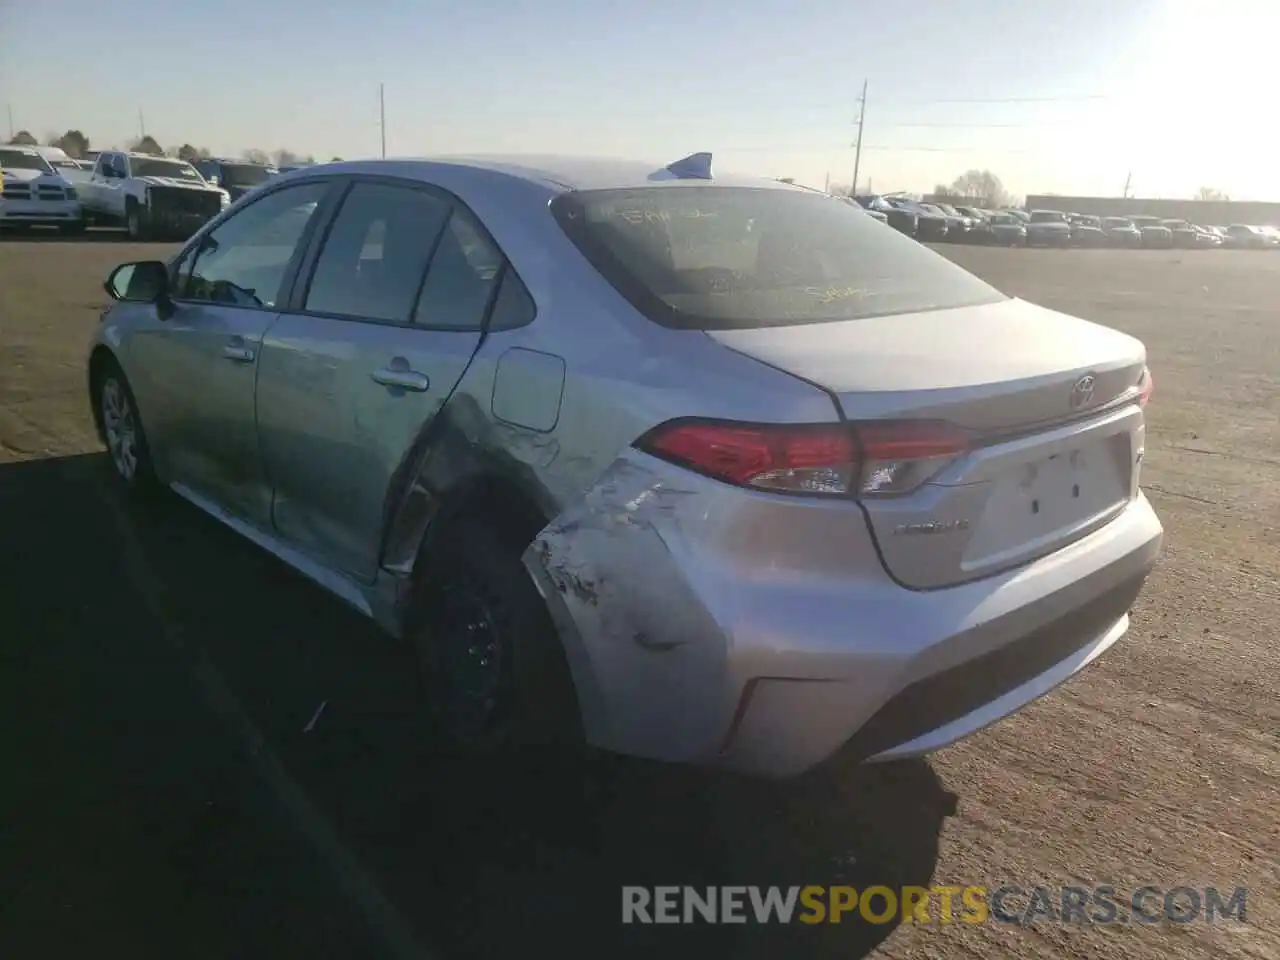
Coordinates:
x,y
493,503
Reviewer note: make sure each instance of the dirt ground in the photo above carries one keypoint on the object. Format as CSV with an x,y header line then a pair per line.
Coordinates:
x,y
157,676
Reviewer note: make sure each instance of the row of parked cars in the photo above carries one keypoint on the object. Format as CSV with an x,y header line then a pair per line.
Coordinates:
x,y
149,196
943,222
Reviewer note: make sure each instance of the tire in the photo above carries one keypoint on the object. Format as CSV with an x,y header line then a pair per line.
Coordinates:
x,y
496,675
135,223
121,422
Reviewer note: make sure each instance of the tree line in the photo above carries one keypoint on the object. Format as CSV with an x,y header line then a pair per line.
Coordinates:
x,y
76,145
976,186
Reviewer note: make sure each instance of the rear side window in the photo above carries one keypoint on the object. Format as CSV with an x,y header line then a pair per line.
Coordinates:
x,y
461,281
727,258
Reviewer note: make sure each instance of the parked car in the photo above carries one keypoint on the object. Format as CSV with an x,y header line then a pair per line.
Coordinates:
x,y
1243,236
33,193
150,196
1154,233
1272,233
904,221
1185,235
1020,214
1048,228
237,177
958,225
1207,237
1086,230
931,224
1121,232
65,166
1006,229
841,489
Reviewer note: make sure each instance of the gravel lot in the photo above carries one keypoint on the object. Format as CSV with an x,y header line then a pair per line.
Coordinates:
x,y
157,674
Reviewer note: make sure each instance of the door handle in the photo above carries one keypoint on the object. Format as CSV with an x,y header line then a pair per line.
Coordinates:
x,y
240,354
398,373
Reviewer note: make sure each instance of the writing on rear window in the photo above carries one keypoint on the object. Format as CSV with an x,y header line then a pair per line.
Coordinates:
x,y
717,258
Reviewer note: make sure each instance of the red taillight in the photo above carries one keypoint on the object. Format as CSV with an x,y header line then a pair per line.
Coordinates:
x,y
1145,386
879,458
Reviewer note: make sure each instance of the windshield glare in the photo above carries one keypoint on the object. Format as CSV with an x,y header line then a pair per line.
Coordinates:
x,y
725,258
21,160
147,167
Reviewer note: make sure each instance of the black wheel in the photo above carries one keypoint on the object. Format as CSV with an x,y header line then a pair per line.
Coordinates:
x,y
495,670
118,415
135,222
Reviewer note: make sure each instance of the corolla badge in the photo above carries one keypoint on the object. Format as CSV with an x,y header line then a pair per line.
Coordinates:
x,y
1082,391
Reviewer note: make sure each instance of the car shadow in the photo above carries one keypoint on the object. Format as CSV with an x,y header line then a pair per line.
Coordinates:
x,y
485,859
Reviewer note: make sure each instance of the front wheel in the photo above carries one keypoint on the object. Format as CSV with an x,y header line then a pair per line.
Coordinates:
x,y
135,223
495,670
122,430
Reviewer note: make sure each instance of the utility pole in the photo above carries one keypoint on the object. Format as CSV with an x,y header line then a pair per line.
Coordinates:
x,y
1128,178
382,117
826,184
10,108
142,125
857,150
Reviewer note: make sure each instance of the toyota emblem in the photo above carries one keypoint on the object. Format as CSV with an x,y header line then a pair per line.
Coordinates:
x,y
1082,391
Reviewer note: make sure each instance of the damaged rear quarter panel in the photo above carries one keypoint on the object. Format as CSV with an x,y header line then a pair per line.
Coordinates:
x,y
615,571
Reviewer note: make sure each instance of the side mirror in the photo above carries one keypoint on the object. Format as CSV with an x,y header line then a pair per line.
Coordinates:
x,y
144,282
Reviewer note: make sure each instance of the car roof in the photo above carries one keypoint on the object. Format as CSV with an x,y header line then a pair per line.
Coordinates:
x,y
563,173
22,148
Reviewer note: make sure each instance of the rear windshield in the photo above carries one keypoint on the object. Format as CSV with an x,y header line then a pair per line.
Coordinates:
x,y
731,258
1048,216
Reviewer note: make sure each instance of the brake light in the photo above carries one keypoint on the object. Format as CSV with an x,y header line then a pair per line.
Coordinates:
x,y
875,458
1145,387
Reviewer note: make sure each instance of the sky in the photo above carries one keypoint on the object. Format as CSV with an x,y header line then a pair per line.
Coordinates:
x,y
1063,97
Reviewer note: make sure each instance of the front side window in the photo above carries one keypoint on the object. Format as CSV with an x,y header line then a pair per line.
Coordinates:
x,y
243,261
375,257
723,258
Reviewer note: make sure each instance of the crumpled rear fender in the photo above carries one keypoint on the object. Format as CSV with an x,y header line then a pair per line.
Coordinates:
x,y
620,576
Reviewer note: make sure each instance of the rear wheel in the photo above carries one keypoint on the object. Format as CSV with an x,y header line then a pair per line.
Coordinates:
x,y
495,671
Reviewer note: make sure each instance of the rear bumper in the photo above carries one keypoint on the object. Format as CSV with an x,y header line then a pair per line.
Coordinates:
x,y
708,625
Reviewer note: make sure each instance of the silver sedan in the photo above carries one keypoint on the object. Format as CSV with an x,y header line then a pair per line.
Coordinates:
x,y
698,468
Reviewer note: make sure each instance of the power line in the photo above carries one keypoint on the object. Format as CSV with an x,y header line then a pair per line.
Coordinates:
x,y
1067,99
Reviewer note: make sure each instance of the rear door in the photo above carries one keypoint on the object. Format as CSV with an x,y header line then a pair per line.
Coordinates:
x,y
386,327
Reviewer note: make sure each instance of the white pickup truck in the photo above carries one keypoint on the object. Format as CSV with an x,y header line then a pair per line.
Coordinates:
x,y
32,193
151,197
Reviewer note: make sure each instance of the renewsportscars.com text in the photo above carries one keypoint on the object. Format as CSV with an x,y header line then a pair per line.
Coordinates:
x,y
974,904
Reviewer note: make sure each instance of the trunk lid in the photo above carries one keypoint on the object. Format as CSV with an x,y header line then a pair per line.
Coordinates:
x,y
1055,444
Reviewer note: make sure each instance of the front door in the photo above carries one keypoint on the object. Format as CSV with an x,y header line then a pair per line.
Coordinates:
x,y
200,364
391,320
